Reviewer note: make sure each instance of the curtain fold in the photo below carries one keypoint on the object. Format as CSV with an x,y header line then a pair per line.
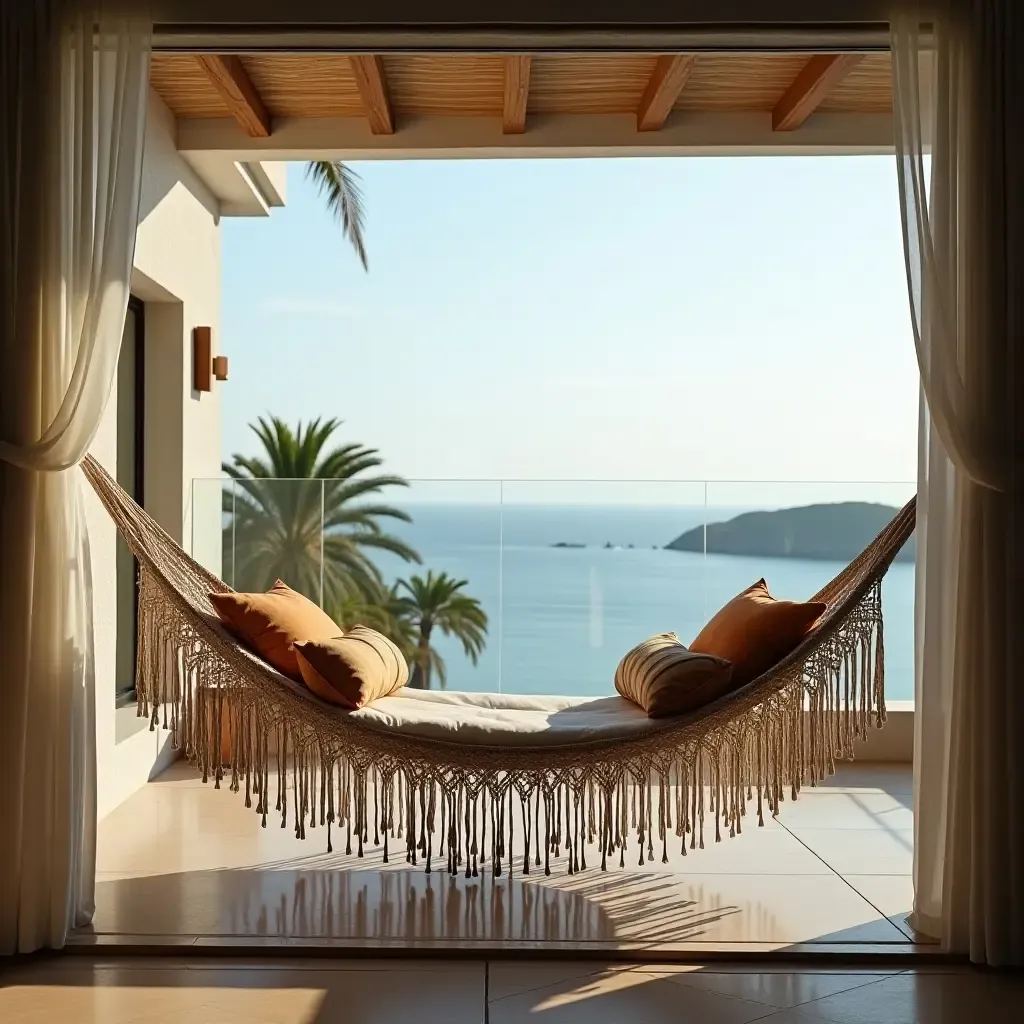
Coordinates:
x,y
72,120
958,98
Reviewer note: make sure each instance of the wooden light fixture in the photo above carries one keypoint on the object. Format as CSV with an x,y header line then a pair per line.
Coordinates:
x,y
205,365
202,350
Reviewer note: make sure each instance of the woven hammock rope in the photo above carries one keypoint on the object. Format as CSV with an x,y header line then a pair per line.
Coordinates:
x,y
784,729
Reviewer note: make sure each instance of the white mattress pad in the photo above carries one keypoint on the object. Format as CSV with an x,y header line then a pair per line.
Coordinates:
x,y
505,719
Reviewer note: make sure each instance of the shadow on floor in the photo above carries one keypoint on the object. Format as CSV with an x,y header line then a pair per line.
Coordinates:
x,y
342,904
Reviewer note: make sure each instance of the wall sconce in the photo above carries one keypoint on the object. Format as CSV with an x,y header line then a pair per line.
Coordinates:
x,y
205,365
201,354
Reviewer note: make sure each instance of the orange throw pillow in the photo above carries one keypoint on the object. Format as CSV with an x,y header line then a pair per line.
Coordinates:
x,y
352,670
271,623
755,631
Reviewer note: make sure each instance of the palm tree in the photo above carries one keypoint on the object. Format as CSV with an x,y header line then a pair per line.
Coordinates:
x,y
386,611
306,513
437,603
339,186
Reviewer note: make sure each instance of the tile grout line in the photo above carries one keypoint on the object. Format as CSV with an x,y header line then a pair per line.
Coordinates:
x,y
848,883
487,992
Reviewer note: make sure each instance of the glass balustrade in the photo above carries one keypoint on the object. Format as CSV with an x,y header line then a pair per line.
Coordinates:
x,y
541,586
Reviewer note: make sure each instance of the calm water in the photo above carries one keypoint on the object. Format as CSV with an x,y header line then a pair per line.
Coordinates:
x,y
561,618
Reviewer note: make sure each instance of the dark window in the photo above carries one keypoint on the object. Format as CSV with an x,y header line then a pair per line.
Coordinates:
x,y
131,423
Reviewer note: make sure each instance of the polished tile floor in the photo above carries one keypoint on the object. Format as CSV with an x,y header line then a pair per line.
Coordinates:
x,y
184,864
338,991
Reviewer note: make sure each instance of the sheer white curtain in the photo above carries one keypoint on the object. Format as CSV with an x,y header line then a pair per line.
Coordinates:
x,y
72,112
959,90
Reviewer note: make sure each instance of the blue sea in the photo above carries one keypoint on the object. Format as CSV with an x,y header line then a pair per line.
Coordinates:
x,y
561,618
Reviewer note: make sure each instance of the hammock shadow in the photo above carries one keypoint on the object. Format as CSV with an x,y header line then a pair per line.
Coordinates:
x,y
229,878
332,902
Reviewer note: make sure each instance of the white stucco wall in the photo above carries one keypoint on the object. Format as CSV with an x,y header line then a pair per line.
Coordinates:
x,y
177,276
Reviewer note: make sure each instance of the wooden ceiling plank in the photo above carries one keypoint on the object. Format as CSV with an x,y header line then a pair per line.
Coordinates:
x,y
231,81
666,83
517,90
372,83
819,76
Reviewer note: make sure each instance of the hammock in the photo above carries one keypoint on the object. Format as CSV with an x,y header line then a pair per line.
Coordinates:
x,y
374,774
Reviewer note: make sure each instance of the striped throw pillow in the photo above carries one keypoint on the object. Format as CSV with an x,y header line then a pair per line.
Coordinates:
x,y
666,679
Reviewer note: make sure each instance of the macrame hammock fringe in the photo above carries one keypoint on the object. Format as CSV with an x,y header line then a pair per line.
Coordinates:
x,y
306,764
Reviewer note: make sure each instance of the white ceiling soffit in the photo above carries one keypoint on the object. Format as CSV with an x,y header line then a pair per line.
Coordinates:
x,y
205,142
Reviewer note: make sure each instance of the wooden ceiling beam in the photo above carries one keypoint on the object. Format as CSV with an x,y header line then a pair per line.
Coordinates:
x,y
670,74
517,90
372,83
230,79
818,77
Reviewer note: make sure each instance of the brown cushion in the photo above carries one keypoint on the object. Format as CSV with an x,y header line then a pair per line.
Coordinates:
x,y
271,623
755,631
354,669
664,678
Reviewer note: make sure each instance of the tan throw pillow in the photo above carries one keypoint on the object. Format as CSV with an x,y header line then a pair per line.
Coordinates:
x,y
271,623
352,670
665,679
755,631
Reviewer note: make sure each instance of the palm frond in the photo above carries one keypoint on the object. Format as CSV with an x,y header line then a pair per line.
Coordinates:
x,y
367,514
284,519
339,186
385,542
347,488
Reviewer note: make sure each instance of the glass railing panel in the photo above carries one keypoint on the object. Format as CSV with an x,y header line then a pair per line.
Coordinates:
x,y
586,576
208,525
541,587
454,529
274,529
798,556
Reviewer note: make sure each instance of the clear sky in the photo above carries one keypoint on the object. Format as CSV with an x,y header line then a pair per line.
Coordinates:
x,y
658,318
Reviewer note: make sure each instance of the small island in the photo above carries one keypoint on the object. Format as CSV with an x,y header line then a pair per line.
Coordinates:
x,y
833,532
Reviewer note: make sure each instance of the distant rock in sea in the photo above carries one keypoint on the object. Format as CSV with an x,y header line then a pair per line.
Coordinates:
x,y
833,532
